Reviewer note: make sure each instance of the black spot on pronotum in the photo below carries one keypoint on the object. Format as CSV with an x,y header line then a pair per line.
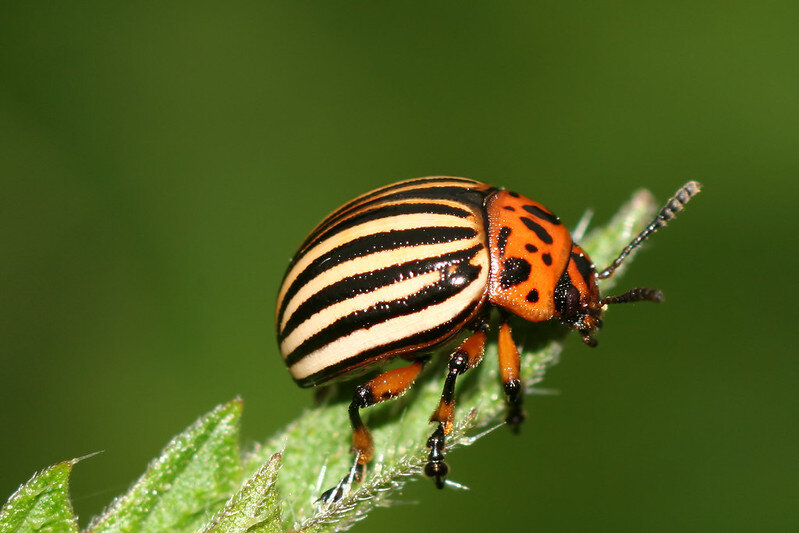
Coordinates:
x,y
509,208
514,194
502,240
540,213
530,248
515,270
547,259
532,296
537,229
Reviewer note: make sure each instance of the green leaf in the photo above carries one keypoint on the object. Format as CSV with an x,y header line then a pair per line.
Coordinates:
x,y
191,479
41,504
255,508
200,468
316,445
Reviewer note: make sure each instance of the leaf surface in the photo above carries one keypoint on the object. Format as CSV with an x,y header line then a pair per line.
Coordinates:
x,y
41,504
255,508
183,487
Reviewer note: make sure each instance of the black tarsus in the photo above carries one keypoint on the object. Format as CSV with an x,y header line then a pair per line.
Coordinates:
x,y
335,493
436,468
514,392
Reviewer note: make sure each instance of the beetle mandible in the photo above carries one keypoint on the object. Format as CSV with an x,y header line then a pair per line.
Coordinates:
x,y
400,270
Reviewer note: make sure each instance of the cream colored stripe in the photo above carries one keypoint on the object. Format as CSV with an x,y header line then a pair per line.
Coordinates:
x,y
389,331
380,225
369,263
327,316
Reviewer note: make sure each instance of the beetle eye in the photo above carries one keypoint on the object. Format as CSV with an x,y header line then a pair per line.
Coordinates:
x,y
567,297
572,301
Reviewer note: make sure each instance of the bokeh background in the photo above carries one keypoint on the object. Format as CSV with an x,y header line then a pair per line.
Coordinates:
x,y
160,162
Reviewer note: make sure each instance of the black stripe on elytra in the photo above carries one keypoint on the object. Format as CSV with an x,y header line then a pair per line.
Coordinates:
x,y
502,239
377,196
368,244
420,341
584,267
384,211
454,192
540,213
370,281
381,312
398,185
537,229
458,193
515,270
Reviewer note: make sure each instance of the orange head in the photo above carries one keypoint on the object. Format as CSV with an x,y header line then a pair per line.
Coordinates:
x,y
577,300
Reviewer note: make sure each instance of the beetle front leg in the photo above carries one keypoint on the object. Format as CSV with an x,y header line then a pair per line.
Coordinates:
x,y
388,385
465,357
510,372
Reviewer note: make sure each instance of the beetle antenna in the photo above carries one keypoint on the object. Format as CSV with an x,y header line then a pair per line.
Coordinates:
x,y
634,295
674,205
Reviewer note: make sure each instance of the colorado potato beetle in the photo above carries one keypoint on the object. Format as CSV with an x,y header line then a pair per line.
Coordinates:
x,y
400,270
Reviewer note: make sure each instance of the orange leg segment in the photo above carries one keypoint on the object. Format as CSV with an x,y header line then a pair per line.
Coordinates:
x,y
386,386
469,354
509,370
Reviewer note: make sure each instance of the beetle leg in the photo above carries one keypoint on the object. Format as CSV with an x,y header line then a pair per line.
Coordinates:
x,y
388,385
465,357
509,370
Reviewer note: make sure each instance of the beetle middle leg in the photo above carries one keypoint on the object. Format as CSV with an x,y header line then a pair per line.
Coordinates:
x,y
388,385
468,354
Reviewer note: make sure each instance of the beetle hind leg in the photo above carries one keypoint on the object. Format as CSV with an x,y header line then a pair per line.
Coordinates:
x,y
386,386
468,354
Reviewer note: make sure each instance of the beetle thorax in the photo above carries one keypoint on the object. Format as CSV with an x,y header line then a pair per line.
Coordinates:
x,y
529,252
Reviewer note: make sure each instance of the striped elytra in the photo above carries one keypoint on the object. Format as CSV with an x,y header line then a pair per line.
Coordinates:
x,y
394,271
404,268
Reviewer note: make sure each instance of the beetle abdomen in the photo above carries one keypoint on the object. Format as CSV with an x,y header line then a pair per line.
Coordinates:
x,y
396,270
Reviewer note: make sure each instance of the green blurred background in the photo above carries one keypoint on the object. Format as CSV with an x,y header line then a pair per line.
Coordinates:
x,y
160,162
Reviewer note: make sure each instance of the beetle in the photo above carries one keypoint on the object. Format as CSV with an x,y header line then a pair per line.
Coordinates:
x,y
400,270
